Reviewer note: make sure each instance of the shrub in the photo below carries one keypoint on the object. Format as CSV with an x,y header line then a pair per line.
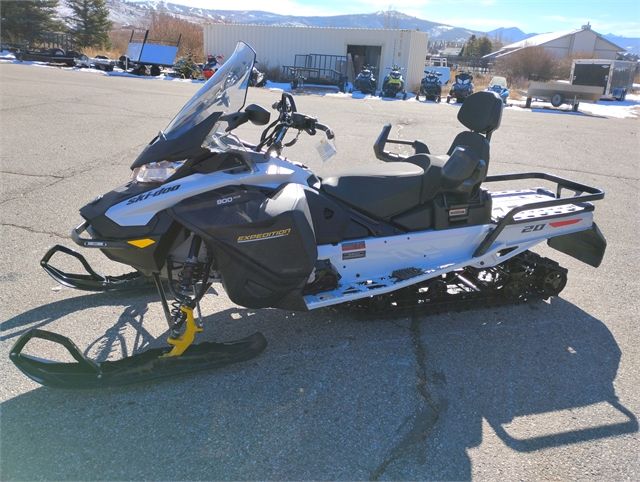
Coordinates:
x,y
165,27
533,63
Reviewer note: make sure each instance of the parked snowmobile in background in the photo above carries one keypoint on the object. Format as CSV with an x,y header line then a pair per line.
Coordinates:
x,y
393,84
499,86
461,88
408,235
365,81
430,86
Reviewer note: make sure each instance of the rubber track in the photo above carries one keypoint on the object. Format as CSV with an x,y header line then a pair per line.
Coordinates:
x,y
521,279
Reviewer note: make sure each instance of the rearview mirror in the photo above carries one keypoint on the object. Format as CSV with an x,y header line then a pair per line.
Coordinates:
x,y
254,113
258,115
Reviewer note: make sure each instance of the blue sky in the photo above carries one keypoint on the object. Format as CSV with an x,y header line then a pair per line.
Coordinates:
x,y
621,17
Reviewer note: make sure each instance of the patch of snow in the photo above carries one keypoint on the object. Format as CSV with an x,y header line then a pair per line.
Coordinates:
x,y
5,54
627,109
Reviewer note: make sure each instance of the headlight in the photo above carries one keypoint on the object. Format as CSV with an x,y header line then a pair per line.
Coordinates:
x,y
156,171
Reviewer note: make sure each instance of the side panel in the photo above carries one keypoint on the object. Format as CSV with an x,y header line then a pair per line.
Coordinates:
x,y
263,242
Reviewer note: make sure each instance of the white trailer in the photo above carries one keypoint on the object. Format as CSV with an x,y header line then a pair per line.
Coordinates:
x,y
614,77
559,93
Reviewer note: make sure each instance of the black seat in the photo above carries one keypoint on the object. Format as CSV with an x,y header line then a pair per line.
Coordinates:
x,y
387,189
382,190
460,174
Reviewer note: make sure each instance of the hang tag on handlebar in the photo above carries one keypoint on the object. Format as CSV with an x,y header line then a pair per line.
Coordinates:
x,y
326,148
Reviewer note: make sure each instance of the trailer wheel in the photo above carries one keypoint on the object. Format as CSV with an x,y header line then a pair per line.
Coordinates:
x,y
556,100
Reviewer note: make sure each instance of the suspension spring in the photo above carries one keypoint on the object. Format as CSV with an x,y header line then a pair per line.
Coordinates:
x,y
190,273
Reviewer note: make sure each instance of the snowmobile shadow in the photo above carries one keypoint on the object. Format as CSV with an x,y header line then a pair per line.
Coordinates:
x,y
504,366
539,375
44,315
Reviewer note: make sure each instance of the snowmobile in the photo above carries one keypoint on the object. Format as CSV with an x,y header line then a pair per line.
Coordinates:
x,y
393,84
461,88
430,86
410,234
365,81
499,86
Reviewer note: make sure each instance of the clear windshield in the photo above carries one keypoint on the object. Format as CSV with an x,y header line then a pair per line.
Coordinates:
x,y
225,92
499,81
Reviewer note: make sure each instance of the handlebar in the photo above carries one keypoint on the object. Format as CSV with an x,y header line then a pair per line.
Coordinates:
x,y
273,135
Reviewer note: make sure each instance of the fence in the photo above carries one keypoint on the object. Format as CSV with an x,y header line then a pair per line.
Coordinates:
x,y
471,64
55,40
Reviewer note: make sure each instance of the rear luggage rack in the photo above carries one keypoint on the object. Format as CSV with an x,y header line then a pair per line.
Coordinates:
x,y
539,210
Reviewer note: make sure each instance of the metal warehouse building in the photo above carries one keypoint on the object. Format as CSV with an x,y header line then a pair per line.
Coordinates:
x,y
582,42
277,46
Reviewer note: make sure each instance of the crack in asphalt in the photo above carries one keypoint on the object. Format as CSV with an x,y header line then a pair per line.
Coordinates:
x,y
31,175
34,231
68,175
33,189
426,415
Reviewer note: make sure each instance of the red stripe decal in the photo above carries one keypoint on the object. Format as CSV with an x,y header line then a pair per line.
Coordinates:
x,y
353,246
559,224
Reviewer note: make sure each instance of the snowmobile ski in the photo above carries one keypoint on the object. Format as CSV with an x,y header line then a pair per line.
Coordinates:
x,y
146,366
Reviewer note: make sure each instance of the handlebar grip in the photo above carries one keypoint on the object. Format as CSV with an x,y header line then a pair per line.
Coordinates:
x,y
326,129
381,141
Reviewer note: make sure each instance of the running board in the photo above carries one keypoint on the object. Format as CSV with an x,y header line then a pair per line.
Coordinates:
x,y
376,286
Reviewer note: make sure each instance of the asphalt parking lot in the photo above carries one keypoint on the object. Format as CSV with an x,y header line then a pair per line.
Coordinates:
x,y
539,391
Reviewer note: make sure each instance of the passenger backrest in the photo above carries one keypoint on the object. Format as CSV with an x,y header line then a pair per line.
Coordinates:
x,y
474,141
481,112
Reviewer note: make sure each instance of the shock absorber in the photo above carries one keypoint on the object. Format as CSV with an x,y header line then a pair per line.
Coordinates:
x,y
183,324
187,277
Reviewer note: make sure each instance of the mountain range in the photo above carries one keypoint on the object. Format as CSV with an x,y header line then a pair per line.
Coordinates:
x,y
132,13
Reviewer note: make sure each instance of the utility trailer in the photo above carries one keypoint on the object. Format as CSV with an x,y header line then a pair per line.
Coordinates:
x,y
317,69
143,51
614,77
559,93
51,56
439,64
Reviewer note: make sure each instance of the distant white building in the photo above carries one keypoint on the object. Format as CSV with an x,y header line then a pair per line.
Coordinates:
x,y
278,46
583,42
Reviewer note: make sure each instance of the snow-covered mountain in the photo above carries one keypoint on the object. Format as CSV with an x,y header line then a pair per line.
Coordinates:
x,y
509,35
134,13
129,12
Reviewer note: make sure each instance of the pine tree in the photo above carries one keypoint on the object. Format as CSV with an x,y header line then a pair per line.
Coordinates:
x,y
485,46
27,21
89,22
469,48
